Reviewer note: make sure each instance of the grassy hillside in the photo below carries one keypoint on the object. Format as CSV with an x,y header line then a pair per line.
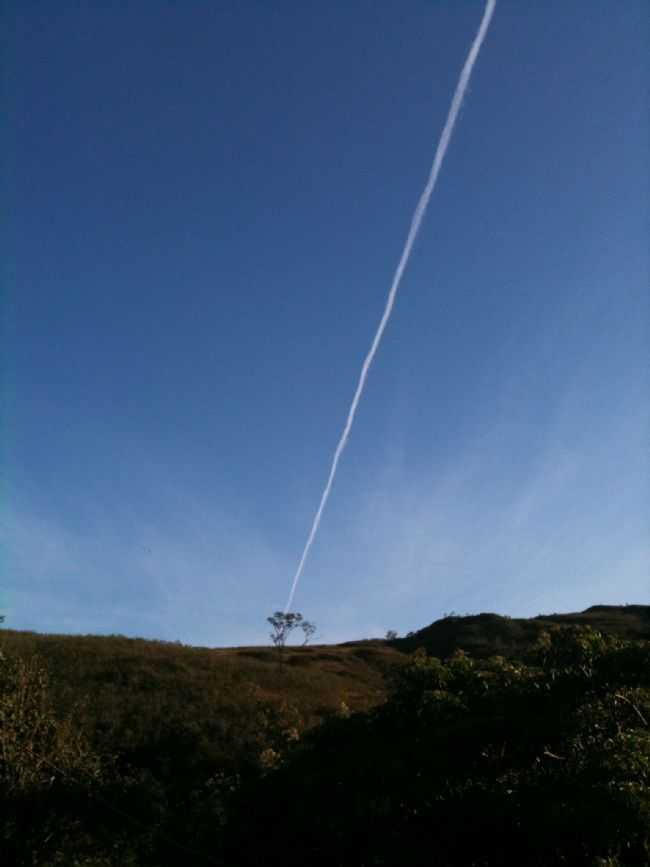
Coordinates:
x,y
127,745
130,692
126,751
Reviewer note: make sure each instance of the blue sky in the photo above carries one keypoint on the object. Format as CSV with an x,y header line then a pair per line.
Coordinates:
x,y
207,204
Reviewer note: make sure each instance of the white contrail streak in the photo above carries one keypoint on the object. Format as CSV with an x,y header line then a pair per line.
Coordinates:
x,y
416,222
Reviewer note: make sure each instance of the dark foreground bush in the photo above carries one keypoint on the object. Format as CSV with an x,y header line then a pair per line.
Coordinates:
x,y
490,763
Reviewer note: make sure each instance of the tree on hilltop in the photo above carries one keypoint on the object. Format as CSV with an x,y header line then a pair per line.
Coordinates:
x,y
282,625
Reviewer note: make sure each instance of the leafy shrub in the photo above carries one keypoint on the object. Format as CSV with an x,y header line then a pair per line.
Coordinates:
x,y
45,764
487,762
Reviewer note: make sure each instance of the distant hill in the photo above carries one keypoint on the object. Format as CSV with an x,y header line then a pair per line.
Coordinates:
x,y
486,634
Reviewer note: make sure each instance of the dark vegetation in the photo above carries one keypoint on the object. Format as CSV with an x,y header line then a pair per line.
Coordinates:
x,y
498,742
484,635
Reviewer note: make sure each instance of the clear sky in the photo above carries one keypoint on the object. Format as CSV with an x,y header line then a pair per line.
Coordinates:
x,y
207,204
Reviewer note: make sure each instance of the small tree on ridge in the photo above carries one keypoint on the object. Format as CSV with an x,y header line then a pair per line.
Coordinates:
x,y
308,630
282,625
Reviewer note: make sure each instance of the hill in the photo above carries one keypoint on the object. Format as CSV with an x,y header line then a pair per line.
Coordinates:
x,y
484,635
134,752
134,692
131,690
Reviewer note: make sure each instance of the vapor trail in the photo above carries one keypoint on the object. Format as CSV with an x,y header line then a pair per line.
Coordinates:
x,y
416,221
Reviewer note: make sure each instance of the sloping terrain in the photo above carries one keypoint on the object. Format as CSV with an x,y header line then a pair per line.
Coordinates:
x,y
627,621
130,691
121,751
484,635
131,688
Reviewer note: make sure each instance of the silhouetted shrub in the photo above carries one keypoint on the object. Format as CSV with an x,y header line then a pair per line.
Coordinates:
x,y
473,763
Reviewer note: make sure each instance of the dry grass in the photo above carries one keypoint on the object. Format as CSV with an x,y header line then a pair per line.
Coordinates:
x,y
126,694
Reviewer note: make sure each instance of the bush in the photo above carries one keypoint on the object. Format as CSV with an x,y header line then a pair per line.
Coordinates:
x,y
46,768
474,763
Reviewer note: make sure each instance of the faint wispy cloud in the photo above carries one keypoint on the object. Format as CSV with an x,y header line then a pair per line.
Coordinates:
x,y
562,531
188,575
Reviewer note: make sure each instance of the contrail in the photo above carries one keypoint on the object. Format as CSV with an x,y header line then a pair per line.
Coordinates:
x,y
416,221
